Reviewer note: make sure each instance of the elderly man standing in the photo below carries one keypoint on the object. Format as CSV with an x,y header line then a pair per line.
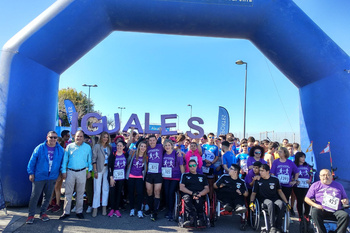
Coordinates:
x,y
77,158
43,169
327,197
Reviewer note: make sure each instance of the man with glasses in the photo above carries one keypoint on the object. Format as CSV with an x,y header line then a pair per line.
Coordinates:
x,y
43,169
270,193
327,198
231,190
193,187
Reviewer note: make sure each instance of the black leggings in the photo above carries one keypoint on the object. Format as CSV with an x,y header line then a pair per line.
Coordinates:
x,y
135,184
170,187
300,194
115,194
287,191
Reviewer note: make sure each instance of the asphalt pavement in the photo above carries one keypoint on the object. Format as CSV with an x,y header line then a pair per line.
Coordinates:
x,y
15,219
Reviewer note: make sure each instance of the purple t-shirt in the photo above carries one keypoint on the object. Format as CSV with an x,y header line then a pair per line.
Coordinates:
x,y
304,176
329,196
251,161
119,167
50,153
284,171
249,178
155,158
137,166
171,166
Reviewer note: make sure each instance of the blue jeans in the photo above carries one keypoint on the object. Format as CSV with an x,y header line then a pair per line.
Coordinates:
x,y
39,187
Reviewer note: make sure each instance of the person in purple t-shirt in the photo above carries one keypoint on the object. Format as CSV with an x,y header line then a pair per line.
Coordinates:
x,y
172,169
116,174
327,197
303,185
154,176
255,154
286,171
135,174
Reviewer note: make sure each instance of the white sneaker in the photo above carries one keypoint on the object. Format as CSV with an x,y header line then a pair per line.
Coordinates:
x,y
132,213
73,210
139,214
89,210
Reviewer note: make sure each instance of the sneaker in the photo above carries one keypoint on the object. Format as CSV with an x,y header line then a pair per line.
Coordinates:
x,y
74,209
132,213
89,210
55,209
64,216
153,217
44,218
80,216
117,213
30,220
187,224
240,210
94,212
228,208
273,230
139,214
111,213
147,212
199,223
50,207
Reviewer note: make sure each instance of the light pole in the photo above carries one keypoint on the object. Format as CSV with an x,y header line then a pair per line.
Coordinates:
x,y
86,85
121,112
191,108
240,62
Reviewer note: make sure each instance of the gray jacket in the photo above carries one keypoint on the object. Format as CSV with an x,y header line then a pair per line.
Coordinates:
x,y
98,156
132,155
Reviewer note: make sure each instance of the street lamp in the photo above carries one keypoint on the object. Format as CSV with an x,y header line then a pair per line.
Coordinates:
x,y
191,108
240,62
86,85
178,122
121,112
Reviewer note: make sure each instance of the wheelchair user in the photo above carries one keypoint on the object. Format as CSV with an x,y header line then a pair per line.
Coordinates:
x,y
269,193
193,187
231,190
329,197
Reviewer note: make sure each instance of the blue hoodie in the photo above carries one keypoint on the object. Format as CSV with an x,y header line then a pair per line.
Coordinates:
x,y
39,163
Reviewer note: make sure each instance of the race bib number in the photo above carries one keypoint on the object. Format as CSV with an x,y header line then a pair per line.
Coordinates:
x,y
244,165
330,202
303,183
284,179
166,172
194,158
205,169
153,167
118,174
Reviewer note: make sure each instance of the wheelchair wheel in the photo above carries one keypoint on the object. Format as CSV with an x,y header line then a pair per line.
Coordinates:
x,y
181,215
213,209
286,221
254,216
207,211
177,206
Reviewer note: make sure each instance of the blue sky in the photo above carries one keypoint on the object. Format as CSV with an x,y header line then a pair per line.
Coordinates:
x,y
162,74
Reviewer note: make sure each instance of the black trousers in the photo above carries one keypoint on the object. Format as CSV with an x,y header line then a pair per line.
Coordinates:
x,y
135,184
276,211
232,199
340,216
193,207
300,194
115,194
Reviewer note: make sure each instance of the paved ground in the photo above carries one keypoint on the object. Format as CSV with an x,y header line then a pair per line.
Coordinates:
x,y
15,222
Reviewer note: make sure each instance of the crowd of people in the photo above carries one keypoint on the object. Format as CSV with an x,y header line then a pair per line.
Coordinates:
x,y
146,171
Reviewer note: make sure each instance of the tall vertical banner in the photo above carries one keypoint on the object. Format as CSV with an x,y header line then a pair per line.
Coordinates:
x,y
2,198
70,108
223,121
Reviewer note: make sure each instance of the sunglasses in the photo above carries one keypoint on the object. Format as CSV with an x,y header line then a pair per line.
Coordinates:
x,y
244,146
257,153
211,137
193,165
53,137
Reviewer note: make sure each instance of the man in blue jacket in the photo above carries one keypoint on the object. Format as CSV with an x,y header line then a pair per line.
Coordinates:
x,y
43,169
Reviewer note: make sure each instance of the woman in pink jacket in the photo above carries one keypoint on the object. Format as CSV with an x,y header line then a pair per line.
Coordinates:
x,y
196,155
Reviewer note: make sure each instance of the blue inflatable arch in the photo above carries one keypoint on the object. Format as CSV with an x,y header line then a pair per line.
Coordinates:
x,y
32,61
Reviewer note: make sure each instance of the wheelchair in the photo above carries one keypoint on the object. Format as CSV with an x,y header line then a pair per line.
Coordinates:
x,y
330,224
180,215
261,209
220,211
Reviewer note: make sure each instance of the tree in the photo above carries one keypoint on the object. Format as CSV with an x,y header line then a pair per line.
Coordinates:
x,y
80,100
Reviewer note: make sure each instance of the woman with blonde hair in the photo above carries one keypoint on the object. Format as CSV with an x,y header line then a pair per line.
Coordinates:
x,y
100,154
135,174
